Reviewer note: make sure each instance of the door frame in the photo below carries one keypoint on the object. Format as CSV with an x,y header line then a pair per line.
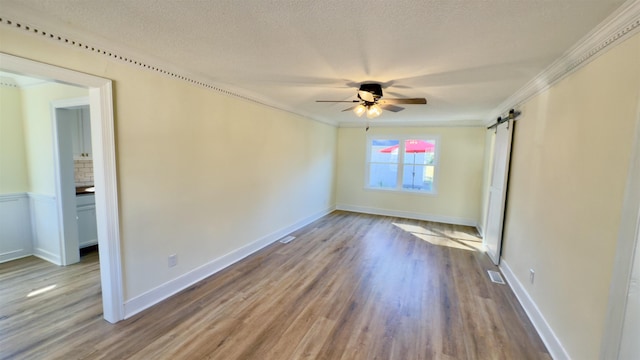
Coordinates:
x,y
628,243
65,196
104,167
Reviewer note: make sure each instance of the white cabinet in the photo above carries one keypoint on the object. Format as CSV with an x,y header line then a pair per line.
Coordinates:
x,y
87,226
81,133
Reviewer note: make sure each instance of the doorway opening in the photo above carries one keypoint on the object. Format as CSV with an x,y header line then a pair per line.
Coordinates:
x,y
73,163
104,169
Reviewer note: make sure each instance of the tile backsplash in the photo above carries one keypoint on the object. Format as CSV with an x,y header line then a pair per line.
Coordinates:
x,y
83,172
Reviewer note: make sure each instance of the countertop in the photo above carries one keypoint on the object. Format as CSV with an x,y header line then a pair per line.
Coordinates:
x,y
85,190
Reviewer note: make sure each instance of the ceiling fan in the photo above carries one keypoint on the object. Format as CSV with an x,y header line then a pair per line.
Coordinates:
x,y
370,101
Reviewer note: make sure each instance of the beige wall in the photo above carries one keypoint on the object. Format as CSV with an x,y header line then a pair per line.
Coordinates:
x,y
200,174
26,136
459,175
13,160
38,131
570,161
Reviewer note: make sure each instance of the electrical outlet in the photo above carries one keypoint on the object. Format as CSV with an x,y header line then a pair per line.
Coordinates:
x,y
532,275
173,260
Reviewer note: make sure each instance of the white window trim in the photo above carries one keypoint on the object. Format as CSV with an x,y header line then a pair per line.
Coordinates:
x,y
402,139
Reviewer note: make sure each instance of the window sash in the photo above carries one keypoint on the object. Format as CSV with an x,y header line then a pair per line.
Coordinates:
x,y
422,180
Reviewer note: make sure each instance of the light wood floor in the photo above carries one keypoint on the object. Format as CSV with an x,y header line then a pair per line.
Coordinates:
x,y
350,286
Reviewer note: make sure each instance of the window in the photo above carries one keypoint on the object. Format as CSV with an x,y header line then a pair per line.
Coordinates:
x,y
402,164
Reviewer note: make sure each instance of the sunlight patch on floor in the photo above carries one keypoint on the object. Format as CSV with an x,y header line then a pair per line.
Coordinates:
x,y
456,240
41,290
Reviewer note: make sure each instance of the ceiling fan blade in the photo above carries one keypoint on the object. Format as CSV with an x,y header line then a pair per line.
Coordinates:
x,y
366,96
392,108
403,101
334,101
349,109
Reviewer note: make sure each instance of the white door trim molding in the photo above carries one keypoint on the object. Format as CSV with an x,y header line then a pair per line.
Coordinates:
x,y
627,243
65,196
104,162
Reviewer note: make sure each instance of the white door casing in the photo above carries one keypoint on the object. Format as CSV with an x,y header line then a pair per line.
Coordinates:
x,y
629,345
498,190
63,122
622,326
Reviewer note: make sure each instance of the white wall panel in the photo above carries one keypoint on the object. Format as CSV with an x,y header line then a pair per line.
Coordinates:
x,y
45,229
15,227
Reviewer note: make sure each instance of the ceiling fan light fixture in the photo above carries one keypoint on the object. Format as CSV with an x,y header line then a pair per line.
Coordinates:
x,y
360,110
370,98
374,111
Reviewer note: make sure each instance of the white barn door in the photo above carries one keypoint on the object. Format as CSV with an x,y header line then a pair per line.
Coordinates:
x,y
498,190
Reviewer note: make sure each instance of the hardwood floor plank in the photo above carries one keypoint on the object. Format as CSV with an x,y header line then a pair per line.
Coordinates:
x,y
349,286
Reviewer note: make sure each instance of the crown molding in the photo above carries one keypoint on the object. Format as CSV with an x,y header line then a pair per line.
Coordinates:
x,y
622,24
617,27
118,53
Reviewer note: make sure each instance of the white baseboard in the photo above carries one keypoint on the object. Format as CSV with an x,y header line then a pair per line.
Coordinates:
x,y
554,346
47,255
408,215
14,255
156,295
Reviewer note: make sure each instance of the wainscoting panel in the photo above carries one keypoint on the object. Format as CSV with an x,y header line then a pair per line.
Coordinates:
x,y
15,227
45,228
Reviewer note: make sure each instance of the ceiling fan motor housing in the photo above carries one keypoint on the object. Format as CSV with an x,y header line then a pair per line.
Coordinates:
x,y
375,89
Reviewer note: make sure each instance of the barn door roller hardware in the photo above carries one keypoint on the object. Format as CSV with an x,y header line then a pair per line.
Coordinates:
x,y
513,114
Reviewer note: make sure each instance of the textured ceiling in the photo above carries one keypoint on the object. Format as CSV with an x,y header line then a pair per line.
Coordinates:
x,y
465,56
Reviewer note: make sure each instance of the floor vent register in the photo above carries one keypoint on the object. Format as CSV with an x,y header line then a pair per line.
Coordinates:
x,y
496,277
287,239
